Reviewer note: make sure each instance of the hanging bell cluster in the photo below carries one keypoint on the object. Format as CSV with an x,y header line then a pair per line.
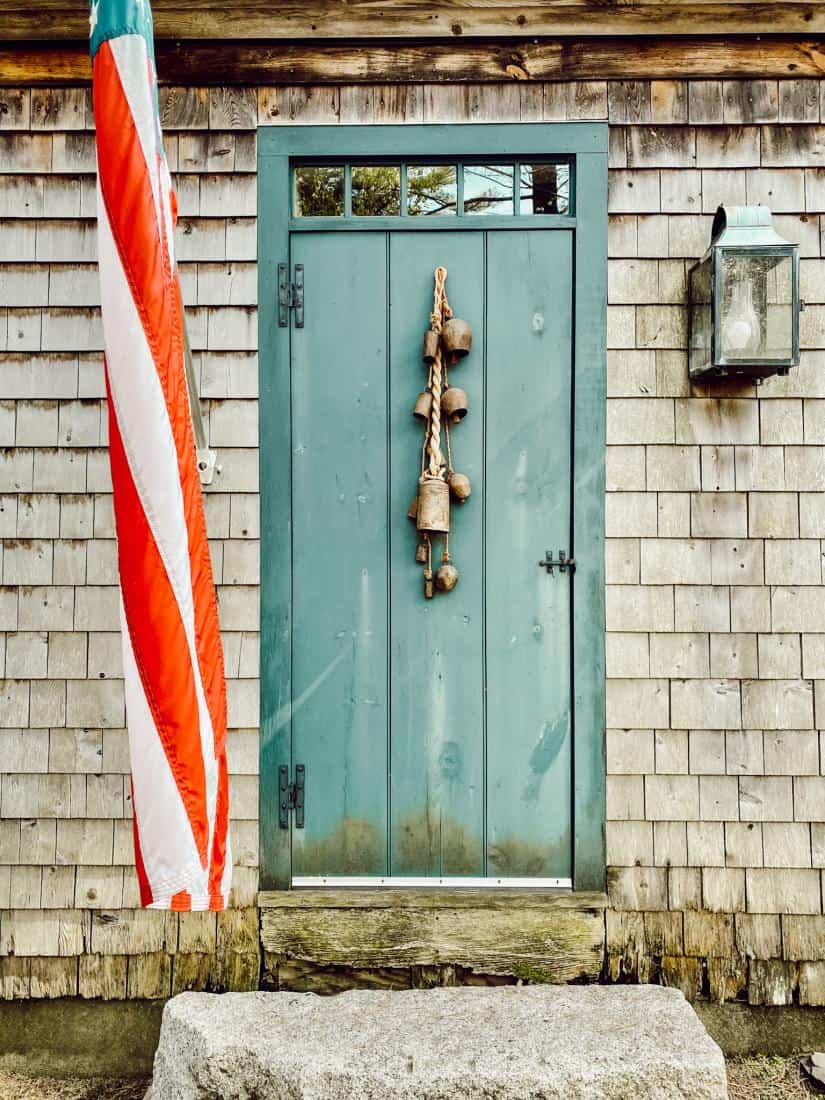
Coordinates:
x,y
438,407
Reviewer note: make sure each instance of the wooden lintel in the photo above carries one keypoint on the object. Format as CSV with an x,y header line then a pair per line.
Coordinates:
x,y
430,899
242,62
318,20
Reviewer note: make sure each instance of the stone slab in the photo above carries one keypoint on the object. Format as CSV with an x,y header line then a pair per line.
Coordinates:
x,y
543,1042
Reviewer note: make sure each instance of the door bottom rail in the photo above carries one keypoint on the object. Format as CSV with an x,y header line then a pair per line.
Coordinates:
x,y
408,882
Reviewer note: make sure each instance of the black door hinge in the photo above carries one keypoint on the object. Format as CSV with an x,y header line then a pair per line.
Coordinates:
x,y
291,795
290,295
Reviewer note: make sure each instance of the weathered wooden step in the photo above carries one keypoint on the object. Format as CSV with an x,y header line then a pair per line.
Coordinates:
x,y
323,940
511,1043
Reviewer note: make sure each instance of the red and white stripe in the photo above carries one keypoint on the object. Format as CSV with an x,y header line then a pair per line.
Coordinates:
x,y
173,663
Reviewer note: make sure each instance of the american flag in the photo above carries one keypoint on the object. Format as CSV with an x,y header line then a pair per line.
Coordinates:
x,y
173,663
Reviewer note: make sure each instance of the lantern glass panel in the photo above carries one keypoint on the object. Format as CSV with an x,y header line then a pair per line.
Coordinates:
x,y
701,318
756,305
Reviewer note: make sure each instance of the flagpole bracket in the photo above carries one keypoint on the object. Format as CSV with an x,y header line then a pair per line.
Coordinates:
x,y
207,464
206,458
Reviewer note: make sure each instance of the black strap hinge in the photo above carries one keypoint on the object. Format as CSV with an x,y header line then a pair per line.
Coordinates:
x,y
291,796
290,295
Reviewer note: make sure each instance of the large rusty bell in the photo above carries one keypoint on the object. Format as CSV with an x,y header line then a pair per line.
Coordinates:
x,y
460,486
454,404
458,338
433,506
423,405
429,352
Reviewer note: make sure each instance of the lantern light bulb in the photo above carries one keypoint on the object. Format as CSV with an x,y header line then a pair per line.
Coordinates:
x,y
742,323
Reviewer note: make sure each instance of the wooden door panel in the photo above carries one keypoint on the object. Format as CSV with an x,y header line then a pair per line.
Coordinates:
x,y
339,553
436,734
437,659
527,511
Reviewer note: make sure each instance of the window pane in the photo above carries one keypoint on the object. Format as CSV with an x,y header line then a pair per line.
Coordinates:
x,y
376,190
545,189
431,190
488,189
319,192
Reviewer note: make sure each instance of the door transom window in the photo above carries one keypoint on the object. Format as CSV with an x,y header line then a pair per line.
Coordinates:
x,y
438,189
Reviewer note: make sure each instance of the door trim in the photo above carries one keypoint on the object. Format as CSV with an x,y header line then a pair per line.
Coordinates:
x,y
587,143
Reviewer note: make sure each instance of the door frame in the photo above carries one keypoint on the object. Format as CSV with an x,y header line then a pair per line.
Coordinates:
x,y
586,144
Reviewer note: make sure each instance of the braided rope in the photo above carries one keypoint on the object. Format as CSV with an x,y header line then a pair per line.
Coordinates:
x,y
441,313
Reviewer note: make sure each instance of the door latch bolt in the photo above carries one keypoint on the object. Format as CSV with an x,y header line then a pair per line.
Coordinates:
x,y
562,562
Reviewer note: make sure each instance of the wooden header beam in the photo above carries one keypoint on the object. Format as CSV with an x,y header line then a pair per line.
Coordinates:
x,y
205,63
332,20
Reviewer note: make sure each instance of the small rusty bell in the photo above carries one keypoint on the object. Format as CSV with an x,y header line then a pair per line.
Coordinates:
x,y
421,555
423,405
454,404
428,584
412,511
429,352
433,505
458,338
446,576
460,487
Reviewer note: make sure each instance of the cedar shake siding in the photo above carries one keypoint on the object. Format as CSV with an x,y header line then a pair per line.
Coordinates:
x,y
715,521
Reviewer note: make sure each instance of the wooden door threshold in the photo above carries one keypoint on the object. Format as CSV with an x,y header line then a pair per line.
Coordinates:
x,y
326,940
430,897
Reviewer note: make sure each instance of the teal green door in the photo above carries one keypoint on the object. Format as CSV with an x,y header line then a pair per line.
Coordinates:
x,y
435,733
457,740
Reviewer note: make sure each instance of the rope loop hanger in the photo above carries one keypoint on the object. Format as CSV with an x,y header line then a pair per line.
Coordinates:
x,y
446,341
441,313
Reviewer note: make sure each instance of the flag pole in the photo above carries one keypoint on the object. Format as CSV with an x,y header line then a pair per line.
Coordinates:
x,y
207,458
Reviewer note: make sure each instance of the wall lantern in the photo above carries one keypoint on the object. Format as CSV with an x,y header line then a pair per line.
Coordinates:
x,y
744,299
